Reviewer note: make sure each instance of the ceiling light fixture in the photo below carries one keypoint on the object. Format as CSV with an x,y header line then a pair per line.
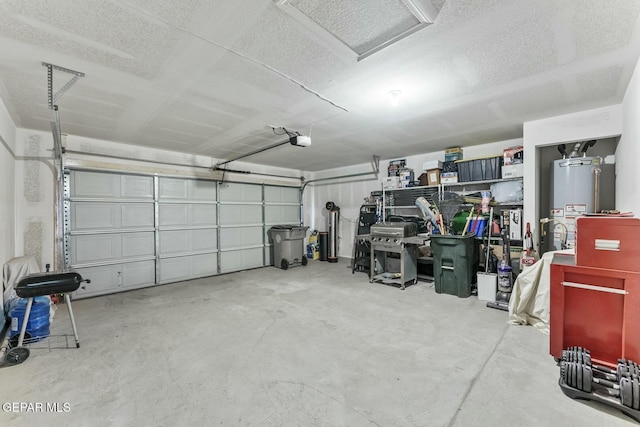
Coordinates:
x,y
394,97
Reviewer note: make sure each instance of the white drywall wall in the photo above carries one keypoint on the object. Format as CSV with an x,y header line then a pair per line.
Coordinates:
x,y
628,152
598,123
34,188
7,185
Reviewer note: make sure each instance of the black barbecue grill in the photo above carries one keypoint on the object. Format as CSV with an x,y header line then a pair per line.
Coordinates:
x,y
40,284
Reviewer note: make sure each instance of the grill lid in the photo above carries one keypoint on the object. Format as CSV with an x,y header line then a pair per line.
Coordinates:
x,y
395,229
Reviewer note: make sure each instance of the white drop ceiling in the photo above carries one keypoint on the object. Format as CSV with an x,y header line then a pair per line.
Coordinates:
x,y
209,77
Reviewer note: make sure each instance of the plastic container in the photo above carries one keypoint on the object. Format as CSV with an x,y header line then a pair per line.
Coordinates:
x,y
480,169
477,226
38,324
454,264
288,245
487,286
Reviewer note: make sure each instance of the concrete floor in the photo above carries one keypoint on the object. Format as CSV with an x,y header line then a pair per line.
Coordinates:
x,y
308,346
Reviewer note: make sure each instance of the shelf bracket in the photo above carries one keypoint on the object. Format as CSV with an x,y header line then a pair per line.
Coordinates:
x,y
51,97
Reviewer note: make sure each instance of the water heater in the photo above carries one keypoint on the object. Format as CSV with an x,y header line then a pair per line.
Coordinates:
x,y
574,192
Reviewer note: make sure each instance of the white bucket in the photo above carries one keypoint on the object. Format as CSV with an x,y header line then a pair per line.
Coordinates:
x,y
487,286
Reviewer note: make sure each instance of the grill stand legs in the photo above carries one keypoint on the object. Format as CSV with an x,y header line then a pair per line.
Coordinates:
x,y
67,299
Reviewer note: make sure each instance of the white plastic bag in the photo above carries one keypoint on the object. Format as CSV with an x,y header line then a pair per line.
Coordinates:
x,y
507,191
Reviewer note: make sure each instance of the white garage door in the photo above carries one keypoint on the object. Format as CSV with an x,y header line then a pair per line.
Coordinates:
x,y
241,223
128,231
110,231
187,229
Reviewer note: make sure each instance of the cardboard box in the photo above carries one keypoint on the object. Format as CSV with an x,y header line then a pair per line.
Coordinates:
x,y
423,179
406,177
391,183
513,171
432,164
433,177
449,177
452,154
515,224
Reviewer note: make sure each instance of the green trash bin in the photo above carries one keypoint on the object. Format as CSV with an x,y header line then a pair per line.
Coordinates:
x,y
453,264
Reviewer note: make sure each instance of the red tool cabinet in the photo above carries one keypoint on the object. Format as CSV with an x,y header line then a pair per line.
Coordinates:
x,y
597,306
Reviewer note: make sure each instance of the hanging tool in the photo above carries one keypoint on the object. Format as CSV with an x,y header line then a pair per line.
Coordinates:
x,y
466,224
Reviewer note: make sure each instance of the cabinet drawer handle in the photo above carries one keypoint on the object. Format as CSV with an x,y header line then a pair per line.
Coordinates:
x,y
607,245
446,267
595,288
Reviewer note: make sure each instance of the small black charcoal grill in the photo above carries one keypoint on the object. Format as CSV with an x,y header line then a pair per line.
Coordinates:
x,y
40,284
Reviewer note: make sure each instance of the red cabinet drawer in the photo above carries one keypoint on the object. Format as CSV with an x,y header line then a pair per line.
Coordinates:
x,y
608,242
595,308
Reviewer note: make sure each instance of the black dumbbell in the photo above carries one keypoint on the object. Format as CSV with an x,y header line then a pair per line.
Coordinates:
x,y
580,376
630,392
625,368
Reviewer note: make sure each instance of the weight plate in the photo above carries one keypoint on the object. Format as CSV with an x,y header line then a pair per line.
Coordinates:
x,y
587,378
569,375
626,394
620,370
572,370
579,368
636,394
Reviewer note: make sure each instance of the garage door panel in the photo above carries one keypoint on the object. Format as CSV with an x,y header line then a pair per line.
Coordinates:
x,y
137,274
281,194
204,239
103,280
203,190
203,214
238,237
204,265
172,188
94,216
174,241
241,259
240,214
134,186
138,245
174,269
268,255
281,214
233,192
94,248
173,214
137,215
95,184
